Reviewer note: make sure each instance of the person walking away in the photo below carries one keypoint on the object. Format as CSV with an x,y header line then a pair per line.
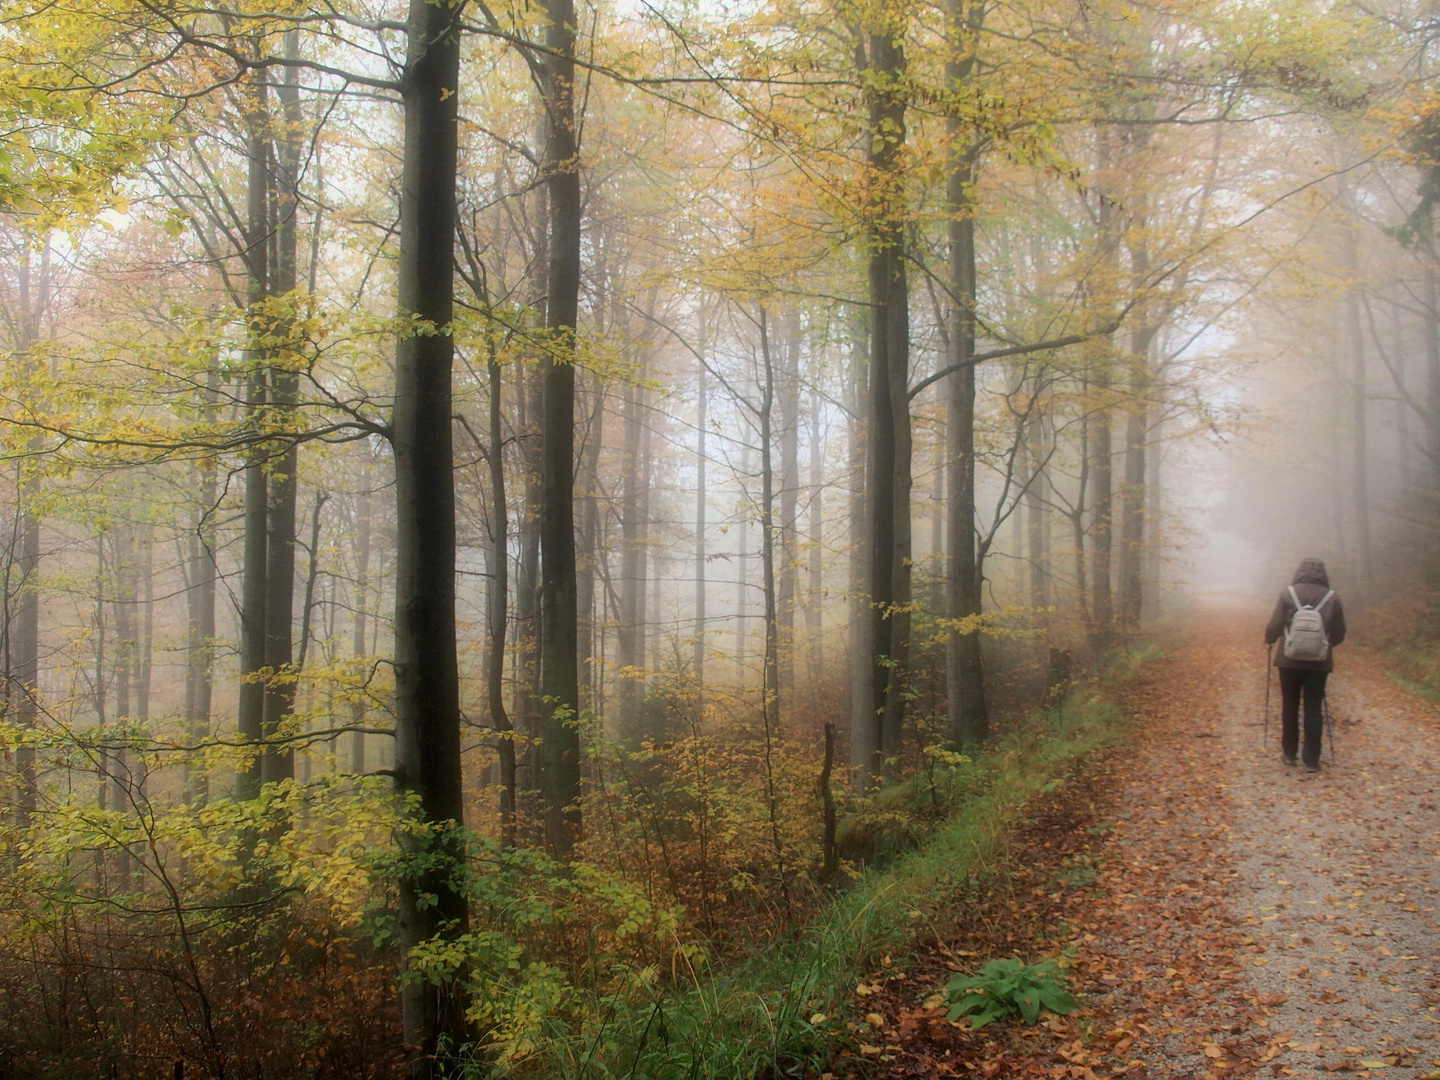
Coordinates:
x,y
1311,621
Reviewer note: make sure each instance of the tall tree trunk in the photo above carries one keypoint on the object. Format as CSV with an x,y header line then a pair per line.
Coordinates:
x,y
312,579
858,640
1150,604
1338,492
359,647
22,687
124,797
202,575
814,601
1102,607
526,705
499,600
877,752
742,567
25,650
251,716
1077,519
559,675
1037,548
101,680
967,713
427,689
698,661
279,763
967,710
590,550
1132,514
770,688
787,535
936,557
629,640
651,559
1137,425
1355,346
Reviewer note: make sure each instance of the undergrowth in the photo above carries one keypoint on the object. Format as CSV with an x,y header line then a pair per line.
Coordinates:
x,y
784,1009
1403,632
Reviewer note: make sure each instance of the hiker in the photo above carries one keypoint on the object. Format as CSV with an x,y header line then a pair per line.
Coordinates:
x,y
1304,658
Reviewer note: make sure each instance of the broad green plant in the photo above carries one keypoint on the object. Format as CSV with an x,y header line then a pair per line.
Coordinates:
x,y
1007,987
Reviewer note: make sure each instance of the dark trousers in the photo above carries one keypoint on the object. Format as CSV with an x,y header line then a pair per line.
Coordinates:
x,y
1292,683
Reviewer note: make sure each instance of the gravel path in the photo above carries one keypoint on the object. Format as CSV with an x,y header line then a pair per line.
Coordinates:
x,y
1225,916
1340,872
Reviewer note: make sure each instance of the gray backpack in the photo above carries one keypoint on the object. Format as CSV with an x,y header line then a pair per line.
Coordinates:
x,y
1305,637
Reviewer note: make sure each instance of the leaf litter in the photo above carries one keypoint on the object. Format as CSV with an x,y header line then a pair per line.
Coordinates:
x,y
1218,914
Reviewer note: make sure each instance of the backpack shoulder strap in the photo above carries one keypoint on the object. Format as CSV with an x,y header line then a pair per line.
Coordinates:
x,y
1324,598
1293,598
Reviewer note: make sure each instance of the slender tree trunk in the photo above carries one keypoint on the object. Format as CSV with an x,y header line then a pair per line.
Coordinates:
x,y
967,712
815,601
358,644
1137,413
770,688
25,651
312,578
145,661
858,640
936,558
23,685
123,601
1336,422
101,680
1431,566
1102,605
1150,605
698,661
590,549
1132,519
629,640
253,589
499,600
559,676
1037,550
427,691
1102,608
200,603
1355,346
650,562
788,395
1077,520
742,568
527,591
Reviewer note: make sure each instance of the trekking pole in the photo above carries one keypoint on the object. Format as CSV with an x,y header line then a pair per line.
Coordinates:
x,y
1268,649
1329,727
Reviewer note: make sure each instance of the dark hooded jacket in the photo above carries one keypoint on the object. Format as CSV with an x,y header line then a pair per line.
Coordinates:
x,y
1311,583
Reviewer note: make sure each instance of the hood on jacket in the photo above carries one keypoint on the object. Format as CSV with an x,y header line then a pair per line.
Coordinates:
x,y
1312,571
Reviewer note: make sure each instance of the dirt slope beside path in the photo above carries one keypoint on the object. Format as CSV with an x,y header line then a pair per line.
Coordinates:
x,y
1227,916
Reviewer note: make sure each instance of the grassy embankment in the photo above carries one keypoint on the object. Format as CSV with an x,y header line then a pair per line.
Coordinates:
x,y
786,1008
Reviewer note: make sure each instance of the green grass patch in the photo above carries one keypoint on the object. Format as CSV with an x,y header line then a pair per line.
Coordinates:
x,y
785,1009
1416,667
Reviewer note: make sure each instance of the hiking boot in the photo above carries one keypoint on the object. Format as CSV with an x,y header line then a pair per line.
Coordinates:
x,y
1312,768
1290,760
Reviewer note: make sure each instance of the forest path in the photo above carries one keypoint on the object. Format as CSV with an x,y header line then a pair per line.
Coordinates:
x,y
1228,916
